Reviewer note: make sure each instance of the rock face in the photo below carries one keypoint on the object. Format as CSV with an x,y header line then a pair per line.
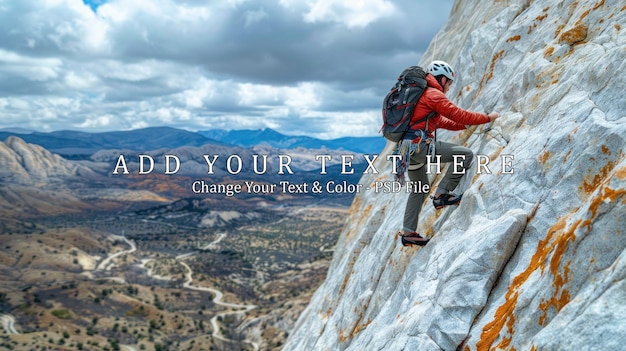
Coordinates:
x,y
533,260
28,164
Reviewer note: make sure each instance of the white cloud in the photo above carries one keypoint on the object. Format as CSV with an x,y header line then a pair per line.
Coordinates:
x,y
342,124
19,104
69,24
97,122
81,81
304,96
259,94
290,65
356,13
139,124
34,69
132,72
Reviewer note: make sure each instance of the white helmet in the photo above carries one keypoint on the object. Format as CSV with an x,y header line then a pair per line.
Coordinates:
x,y
440,68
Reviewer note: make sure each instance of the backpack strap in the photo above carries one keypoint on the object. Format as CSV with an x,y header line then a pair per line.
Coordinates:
x,y
428,116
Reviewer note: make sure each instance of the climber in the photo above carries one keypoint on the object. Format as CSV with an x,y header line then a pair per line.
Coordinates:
x,y
422,134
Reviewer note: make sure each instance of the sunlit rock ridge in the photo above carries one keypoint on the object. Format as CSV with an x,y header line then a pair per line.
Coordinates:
x,y
532,260
29,164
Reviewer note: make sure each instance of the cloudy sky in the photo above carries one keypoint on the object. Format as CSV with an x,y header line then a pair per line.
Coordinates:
x,y
312,67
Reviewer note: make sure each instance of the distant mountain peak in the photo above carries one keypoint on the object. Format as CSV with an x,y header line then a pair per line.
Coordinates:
x,y
17,130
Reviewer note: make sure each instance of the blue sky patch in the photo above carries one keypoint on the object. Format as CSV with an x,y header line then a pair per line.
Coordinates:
x,y
94,4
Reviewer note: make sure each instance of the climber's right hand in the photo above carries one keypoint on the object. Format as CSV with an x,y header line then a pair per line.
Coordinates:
x,y
493,116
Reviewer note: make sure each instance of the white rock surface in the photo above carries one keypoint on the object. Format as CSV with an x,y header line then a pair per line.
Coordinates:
x,y
533,260
29,164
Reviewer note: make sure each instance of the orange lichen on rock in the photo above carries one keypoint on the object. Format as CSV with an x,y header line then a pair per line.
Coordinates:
x,y
590,184
492,330
548,52
538,19
575,35
555,242
559,28
543,158
567,156
607,194
561,296
342,336
329,311
356,205
621,173
582,17
596,6
367,211
586,13
428,223
514,38
358,327
345,281
506,341
495,58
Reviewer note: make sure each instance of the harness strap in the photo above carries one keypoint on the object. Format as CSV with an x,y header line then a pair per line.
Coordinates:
x,y
406,147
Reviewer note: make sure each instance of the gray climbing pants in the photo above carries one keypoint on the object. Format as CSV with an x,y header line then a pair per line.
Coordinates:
x,y
417,173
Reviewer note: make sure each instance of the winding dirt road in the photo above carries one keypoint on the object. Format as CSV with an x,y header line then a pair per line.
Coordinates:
x,y
105,263
8,323
219,296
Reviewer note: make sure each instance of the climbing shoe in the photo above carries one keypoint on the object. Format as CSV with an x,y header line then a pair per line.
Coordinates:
x,y
446,200
413,239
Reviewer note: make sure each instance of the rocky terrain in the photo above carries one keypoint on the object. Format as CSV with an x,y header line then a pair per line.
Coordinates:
x,y
27,164
532,259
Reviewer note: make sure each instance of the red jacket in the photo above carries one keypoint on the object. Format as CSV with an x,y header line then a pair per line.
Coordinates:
x,y
434,99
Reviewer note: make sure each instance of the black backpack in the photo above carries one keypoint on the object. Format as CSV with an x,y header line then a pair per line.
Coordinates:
x,y
400,103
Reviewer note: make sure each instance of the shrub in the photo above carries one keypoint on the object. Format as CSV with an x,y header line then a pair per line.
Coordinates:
x,y
62,313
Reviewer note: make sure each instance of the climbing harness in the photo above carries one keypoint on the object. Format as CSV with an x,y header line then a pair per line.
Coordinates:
x,y
406,147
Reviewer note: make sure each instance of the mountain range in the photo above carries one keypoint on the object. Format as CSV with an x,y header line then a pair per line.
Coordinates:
x,y
70,143
247,138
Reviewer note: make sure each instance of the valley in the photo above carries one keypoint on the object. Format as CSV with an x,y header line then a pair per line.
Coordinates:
x,y
90,260
154,278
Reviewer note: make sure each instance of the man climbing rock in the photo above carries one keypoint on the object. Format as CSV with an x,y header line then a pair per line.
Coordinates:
x,y
434,110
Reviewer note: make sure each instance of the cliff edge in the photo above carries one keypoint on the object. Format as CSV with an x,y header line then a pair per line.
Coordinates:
x,y
533,258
